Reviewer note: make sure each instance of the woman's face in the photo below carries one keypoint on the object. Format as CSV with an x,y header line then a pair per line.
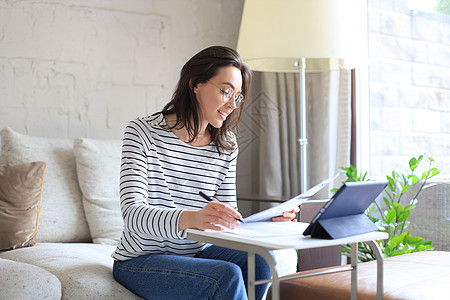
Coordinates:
x,y
211,98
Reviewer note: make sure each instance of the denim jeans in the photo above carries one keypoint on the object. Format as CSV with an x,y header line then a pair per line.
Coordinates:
x,y
215,273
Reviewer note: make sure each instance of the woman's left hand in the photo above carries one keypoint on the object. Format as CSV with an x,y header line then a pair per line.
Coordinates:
x,y
287,216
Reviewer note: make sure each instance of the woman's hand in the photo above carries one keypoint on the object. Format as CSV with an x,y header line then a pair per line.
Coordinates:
x,y
214,215
287,216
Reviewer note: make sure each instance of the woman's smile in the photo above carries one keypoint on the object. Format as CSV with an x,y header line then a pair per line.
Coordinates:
x,y
223,114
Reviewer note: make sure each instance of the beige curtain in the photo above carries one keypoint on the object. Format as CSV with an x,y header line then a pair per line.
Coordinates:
x,y
269,159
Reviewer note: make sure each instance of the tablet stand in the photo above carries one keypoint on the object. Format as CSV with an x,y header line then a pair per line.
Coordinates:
x,y
340,227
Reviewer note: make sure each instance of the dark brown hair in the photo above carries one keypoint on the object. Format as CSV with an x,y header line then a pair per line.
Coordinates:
x,y
200,68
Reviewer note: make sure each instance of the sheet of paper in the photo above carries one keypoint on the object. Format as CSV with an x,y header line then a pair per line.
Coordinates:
x,y
268,229
268,214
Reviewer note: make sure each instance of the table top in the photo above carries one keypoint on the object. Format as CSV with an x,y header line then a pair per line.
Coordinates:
x,y
291,238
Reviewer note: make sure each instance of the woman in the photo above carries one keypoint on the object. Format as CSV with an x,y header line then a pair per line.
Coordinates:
x,y
167,159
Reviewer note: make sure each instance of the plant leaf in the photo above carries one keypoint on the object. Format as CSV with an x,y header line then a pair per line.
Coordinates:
x,y
394,242
391,180
386,201
416,240
434,172
364,177
404,177
403,216
381,224
409,207
414,179
413,163
419,159
424,176
390,215
428,243
398,186
405,188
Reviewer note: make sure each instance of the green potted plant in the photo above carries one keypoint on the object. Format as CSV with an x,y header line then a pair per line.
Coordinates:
x,y
399,199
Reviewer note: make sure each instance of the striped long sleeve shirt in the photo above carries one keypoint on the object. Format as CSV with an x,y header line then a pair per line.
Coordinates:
x,y
160,177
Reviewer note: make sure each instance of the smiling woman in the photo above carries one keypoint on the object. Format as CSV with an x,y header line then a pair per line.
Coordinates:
x,y
214,105
168,160
195,99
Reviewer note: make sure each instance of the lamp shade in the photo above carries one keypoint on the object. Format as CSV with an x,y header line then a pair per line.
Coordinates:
x,y
330,34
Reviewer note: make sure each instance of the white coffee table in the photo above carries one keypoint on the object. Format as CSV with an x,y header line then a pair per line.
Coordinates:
x,y
263,245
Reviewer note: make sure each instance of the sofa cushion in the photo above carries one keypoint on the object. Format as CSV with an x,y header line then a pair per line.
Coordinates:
x,y
20,196
24,281
98,169
61,212
85,270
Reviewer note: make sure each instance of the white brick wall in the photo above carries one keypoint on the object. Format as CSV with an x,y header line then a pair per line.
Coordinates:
x,y
71,68
409,86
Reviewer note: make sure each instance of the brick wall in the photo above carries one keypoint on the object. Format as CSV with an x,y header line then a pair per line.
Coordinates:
x,y
409,70
72,68
83,68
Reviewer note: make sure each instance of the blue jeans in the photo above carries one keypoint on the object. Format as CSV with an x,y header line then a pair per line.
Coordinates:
x,y
215,273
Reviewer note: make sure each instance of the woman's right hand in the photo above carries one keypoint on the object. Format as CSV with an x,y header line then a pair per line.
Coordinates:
x,y
214,216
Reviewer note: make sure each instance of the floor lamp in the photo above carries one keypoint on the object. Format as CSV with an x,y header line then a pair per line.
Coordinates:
x,y
303,36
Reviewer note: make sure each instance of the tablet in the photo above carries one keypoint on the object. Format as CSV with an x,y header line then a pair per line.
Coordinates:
x,y
343,215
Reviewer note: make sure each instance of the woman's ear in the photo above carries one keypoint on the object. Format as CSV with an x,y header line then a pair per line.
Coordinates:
x,y
194,88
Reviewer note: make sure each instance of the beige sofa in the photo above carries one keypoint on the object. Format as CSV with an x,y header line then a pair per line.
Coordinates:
x,y
79,222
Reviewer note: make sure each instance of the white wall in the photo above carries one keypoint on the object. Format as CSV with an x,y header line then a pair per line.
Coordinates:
x,y
84,68
409,68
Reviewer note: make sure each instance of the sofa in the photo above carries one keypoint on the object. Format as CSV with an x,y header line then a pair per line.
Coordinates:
x,y
60,218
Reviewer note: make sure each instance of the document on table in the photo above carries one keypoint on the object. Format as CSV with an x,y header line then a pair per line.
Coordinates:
x,y
268,214
268,229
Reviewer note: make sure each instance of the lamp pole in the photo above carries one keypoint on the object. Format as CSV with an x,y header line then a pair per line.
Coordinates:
x,y
303,140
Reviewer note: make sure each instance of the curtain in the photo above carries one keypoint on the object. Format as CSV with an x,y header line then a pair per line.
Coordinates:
x,y
269,153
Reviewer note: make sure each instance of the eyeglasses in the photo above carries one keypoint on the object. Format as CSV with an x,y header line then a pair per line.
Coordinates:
x,y
228,94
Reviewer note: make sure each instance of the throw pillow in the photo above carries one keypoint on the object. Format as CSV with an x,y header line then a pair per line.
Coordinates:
x,y
61,217
98,168
20,196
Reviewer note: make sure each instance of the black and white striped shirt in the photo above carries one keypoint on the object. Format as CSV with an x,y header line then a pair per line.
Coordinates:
x,y
160,177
